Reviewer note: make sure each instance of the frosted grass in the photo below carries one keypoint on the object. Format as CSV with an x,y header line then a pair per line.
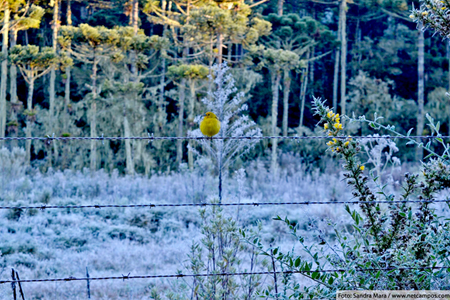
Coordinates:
x,y
58,243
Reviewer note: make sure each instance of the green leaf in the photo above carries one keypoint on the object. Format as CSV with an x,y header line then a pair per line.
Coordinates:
x,y
409,132
307,267
297,262
378,274
330,280
429,155
315,275
440,140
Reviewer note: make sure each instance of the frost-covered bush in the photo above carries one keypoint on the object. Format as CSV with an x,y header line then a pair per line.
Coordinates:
x,y
12,164
433,14
389,246
220,250
228,105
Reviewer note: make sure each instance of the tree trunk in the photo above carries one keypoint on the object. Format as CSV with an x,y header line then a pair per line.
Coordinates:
x,y
280,7
161,107
337,56
219,48
286,91
51,111
69,13
13,91
4,76
191,121
13,80
53,71
134,96
68,75
66,148
160,117
93,162
343,21
275,78
134,22
135,13
358,44
127,132
420,91
66,100
303,88
181,97
336,80
29,121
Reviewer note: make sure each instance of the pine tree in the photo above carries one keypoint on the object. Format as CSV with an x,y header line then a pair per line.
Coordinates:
x,y
299,35
13,14
4,69
31,20
139,63
275,61
33,63
192,74
205,27
90,45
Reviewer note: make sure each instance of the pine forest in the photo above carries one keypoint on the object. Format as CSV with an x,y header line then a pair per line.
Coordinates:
x,y
223,149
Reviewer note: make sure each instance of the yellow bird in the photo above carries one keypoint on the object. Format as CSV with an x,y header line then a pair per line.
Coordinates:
x,y
210,125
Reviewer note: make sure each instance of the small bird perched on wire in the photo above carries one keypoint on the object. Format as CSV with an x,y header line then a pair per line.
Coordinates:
x,y
210,125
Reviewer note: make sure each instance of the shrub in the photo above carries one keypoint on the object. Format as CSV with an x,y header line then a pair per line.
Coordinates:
x,y
394,245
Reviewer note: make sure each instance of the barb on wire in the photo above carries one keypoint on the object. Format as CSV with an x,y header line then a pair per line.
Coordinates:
x,y
48,140
150,205
71,278
151,137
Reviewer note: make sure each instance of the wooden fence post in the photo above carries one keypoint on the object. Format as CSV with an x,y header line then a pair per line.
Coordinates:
x,y
88,287
13,284
20,286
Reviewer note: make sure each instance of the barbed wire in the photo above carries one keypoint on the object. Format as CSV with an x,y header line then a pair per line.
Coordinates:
x,y
156,138
43,207
180,275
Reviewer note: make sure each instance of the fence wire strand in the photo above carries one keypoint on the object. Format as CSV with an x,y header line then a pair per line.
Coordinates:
x,y
180,275
150,205
156,138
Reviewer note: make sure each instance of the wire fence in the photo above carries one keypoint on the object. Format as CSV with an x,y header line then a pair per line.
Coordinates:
x,y
150,205
180,275
149,138
157,138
